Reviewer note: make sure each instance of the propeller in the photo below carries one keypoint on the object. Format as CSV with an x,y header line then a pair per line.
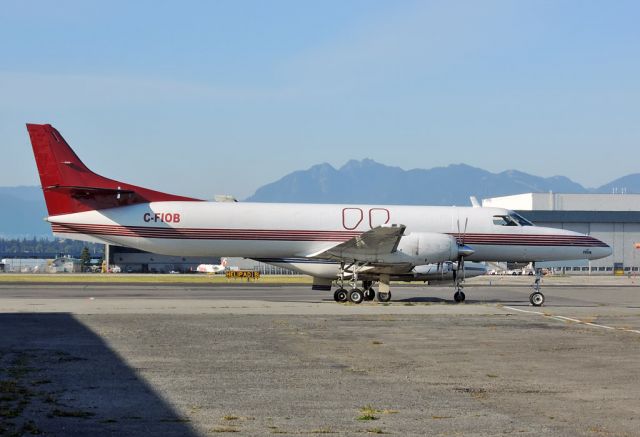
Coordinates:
x,y
463,250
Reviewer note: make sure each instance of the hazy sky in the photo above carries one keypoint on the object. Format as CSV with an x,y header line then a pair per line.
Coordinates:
x,y
214,97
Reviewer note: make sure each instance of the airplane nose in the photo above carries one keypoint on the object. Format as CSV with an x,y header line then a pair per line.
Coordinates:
x,y
599,249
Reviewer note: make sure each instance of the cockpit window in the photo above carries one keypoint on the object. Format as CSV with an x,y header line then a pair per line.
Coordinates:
x,y
504,220
521,220
513,219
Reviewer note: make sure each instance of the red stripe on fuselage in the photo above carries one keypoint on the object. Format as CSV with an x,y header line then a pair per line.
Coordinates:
x,y
308,235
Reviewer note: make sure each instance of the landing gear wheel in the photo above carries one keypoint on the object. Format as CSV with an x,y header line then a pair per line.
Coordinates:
x,y
340,295
356,296
536,298
459,296
384,297
369,294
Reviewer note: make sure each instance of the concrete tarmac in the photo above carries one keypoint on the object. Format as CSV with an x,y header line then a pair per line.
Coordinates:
x,y
255,360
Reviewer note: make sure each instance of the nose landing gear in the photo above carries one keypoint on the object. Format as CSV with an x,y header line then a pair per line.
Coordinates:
x,y
536,298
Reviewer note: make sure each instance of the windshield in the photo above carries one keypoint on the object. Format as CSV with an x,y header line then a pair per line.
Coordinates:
x,y
513,219
521,220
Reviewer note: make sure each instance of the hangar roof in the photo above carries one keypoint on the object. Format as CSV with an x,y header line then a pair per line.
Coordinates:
x,y
566,202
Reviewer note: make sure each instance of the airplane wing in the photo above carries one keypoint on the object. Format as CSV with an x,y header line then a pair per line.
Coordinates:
x,y
368,246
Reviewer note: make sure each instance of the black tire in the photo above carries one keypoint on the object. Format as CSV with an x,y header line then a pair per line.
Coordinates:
x,y
369,294
356,296
383,297
459,296
536,299
340,295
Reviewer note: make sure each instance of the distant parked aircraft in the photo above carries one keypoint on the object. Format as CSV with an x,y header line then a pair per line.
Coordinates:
x,y
213,268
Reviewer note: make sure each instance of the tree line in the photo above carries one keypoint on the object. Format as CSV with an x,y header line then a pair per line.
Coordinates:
x,y
46,248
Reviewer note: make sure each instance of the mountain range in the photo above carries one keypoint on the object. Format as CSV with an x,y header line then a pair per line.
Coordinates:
x,y
367,181
364,181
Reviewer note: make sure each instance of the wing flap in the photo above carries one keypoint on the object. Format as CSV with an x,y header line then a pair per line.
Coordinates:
x,y
368,246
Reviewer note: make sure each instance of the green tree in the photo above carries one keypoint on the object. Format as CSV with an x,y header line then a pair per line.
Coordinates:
x,y
85,257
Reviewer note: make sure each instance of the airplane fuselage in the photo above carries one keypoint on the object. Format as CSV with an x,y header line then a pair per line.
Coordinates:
x,y
277,230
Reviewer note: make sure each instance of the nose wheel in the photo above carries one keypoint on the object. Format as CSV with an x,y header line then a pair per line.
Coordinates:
x,y
536,298
459,296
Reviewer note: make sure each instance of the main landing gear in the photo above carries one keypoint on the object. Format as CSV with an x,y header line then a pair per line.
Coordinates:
x,y
537,298
357,295
354,295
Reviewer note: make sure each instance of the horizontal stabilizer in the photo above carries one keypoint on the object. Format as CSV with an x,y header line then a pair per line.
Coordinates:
x,y
87,192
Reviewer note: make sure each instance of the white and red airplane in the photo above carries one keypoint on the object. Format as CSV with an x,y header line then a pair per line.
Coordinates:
x,y
359,242
213,268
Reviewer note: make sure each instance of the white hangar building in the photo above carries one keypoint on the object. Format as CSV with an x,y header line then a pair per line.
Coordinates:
x,y
612,218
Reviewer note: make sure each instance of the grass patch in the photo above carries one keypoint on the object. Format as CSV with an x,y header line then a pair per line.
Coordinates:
x,y
224,429
148,278
475,392
376,342
368,412
376,431
9,386
230,417
10,412
322,431
490,375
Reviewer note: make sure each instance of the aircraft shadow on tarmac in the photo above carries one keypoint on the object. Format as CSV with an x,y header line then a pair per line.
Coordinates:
x,y
428,299
59,378
441,300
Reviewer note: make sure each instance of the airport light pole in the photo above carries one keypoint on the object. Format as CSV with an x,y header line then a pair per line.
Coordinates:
x,y
106,257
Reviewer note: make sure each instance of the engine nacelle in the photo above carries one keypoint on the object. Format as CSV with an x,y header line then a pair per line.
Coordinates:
x,y
427,247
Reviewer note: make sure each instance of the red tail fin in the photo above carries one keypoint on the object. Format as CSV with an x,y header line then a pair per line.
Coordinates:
x,y
69,186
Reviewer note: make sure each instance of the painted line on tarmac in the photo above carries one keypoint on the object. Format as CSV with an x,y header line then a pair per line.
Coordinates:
x,y
569,319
